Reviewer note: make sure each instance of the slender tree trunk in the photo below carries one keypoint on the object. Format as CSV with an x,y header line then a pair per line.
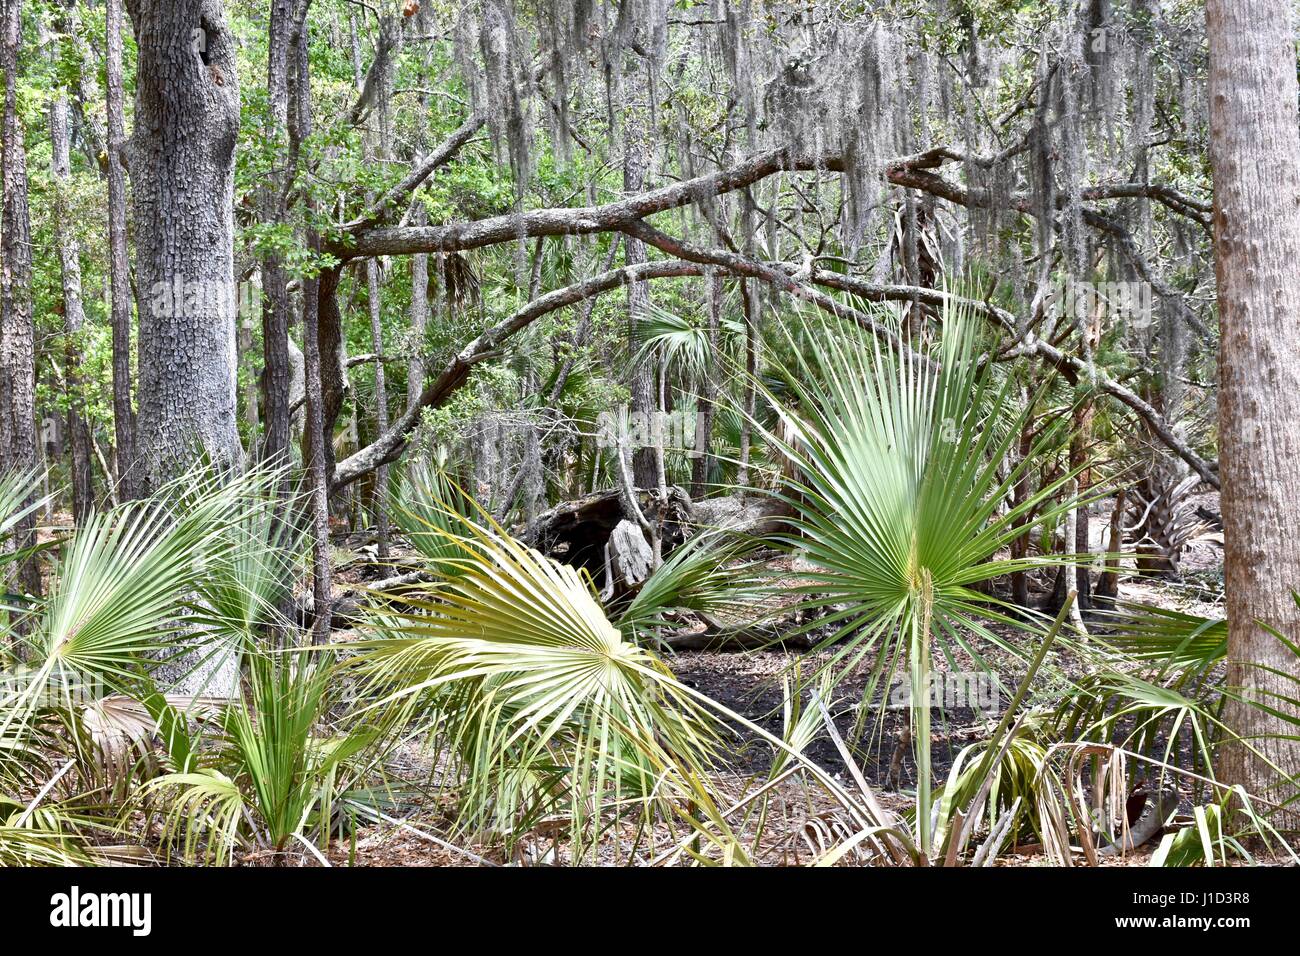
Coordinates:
x,y
276,307
74,313
374,288
380,500
419,323
636,152
1255,158
708,394
749,305
317,442
17,335
749,301
124,424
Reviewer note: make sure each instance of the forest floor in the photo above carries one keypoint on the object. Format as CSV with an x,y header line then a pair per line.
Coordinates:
x,y
799,821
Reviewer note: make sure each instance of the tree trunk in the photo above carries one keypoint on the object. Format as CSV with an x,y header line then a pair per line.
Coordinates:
x,y
276,306
749,306
124,424
317,443
74,313
182,172
419,323
379,502
17,338
636,153
708,394
1255,159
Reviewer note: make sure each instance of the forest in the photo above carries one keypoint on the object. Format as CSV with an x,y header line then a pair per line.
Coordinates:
x,y
650,433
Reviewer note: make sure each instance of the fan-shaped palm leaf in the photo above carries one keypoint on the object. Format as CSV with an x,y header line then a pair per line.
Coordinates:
x,y
544,703
901,501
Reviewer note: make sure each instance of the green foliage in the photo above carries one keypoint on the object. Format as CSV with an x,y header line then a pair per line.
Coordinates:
x,y
544,706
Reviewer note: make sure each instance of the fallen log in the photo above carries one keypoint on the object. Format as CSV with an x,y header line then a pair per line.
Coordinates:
x,y
753,515
576,532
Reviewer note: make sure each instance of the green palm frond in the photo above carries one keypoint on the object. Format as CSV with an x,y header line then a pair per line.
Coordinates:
x,y
543,703
706,575
1173,640
902,480
277,767
901,494
433,513
204,812
243,590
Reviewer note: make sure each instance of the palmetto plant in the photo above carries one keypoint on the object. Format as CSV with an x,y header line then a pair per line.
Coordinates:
x,y
125,597
539,702
431,511
901,496
276,769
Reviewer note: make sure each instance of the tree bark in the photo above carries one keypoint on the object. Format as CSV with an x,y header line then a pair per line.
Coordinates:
x,y
74,313
1255,160
317,443
182,172
276,305
708,398
17,335
636,151
124,423
379,502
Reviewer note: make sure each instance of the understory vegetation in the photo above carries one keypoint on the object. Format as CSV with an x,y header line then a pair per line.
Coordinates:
x,y
549,721
648,433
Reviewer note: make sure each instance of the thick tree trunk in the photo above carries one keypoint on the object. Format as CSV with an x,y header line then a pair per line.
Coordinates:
x,y
124,423
1255,158
182,173
74,313
17,340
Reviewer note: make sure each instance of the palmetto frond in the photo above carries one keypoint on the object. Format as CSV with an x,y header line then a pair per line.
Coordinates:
x,y
540,699
902,490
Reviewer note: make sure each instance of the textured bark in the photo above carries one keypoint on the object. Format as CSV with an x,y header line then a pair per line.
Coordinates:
x,y
378,87
636,154
74,313
124,423
182,174
276,305
17,343
708,394
415,367
317,444
380,500
1255,159
334,382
